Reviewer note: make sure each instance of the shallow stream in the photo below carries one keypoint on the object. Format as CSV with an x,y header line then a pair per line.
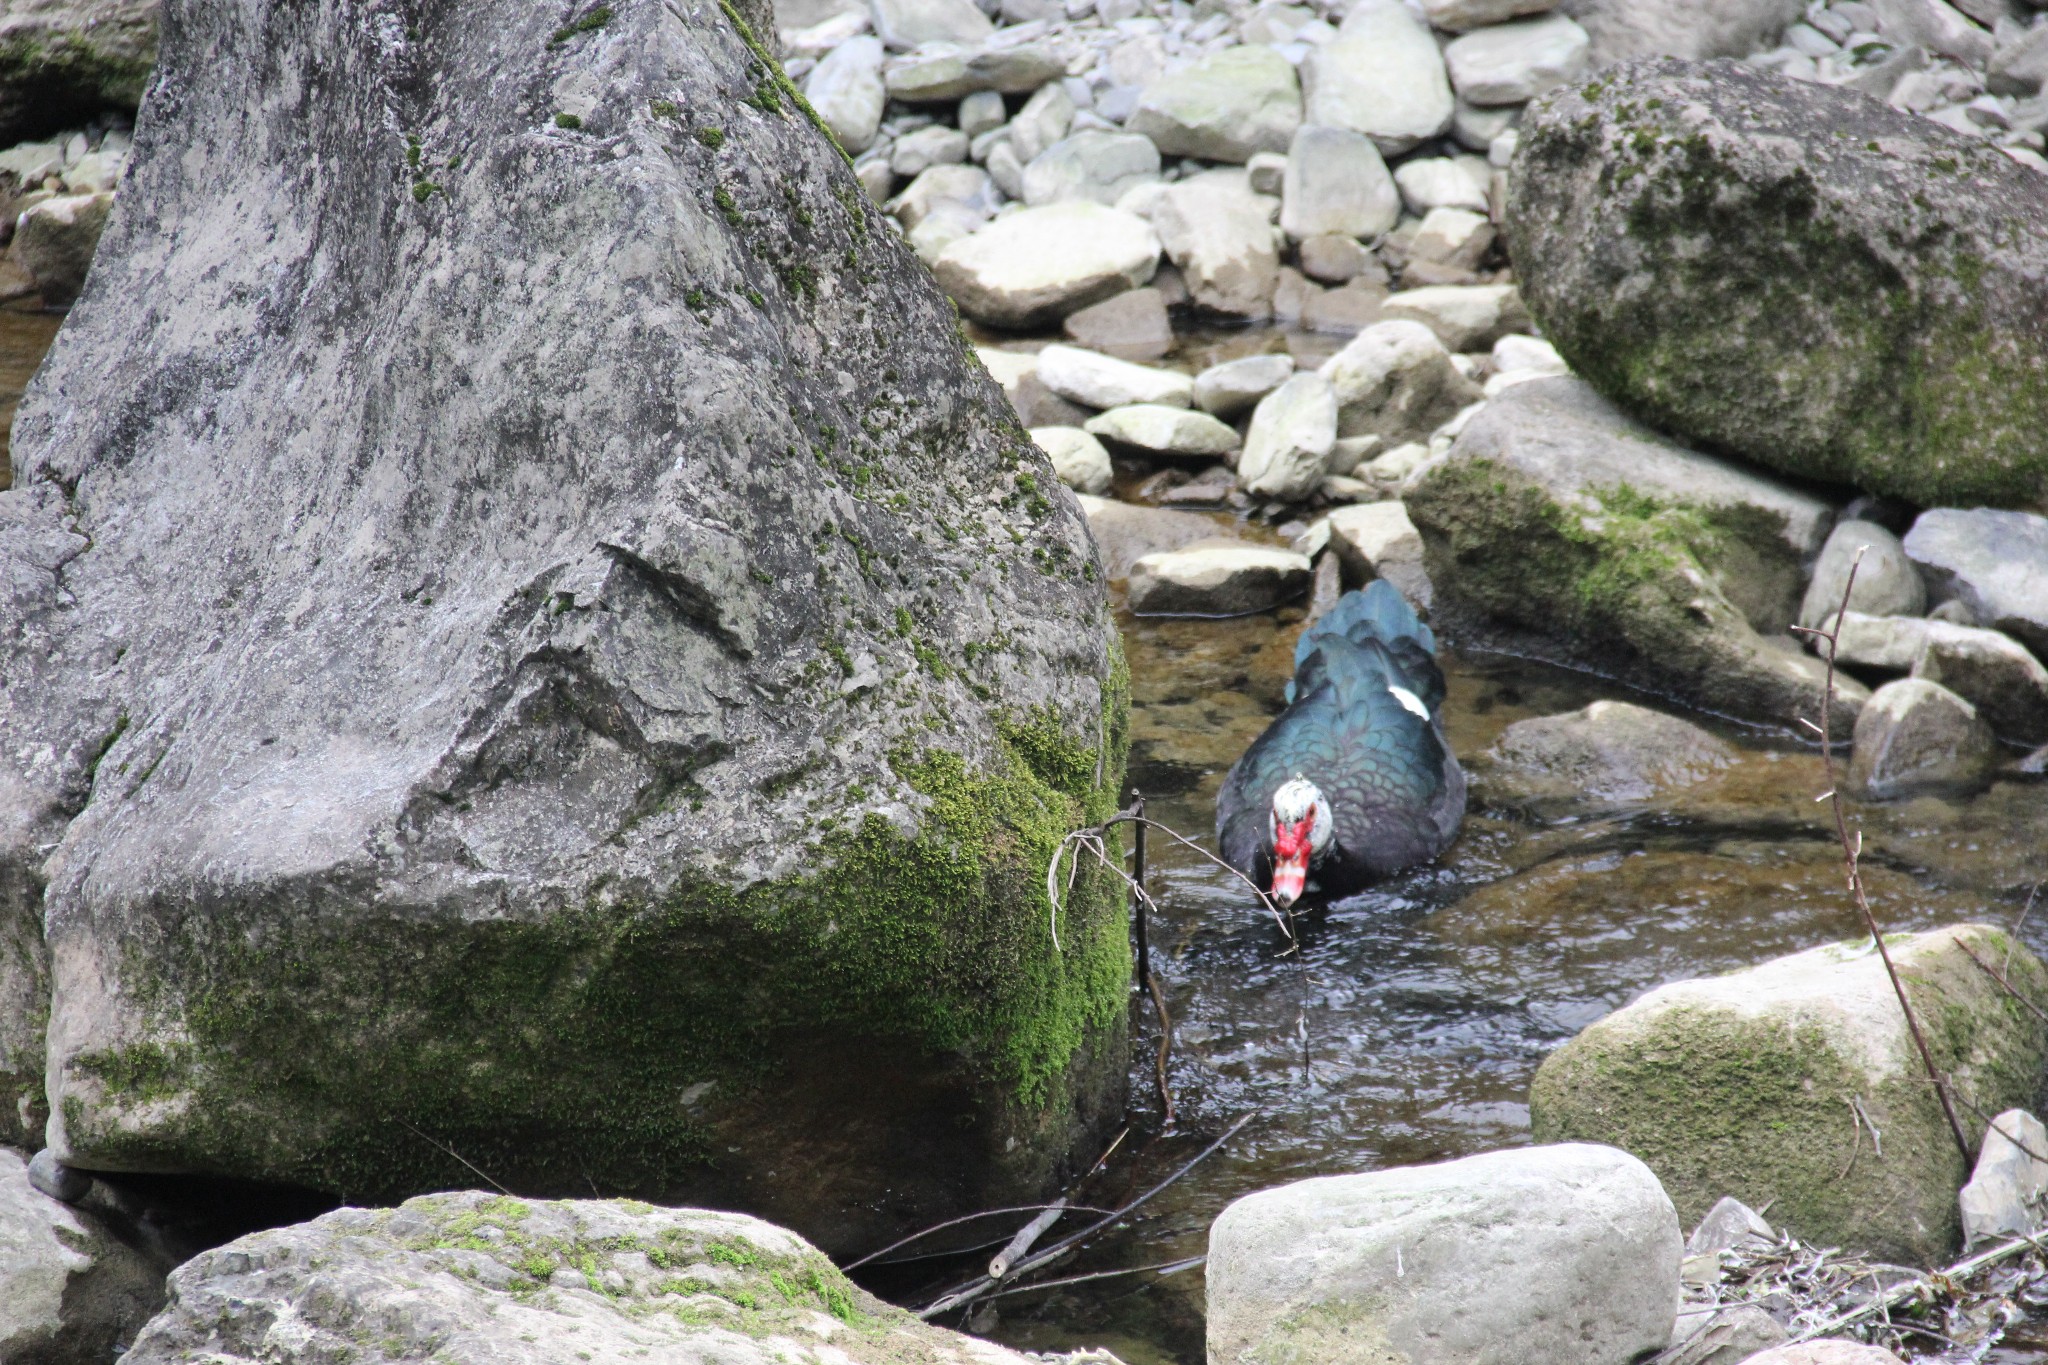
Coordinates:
x,y
1407,1024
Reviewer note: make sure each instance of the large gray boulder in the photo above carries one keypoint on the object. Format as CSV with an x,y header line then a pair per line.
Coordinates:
x,y
475,1277
1562,1255
1794,273
63,61
69,1292
1742,1084
560,655
1557,525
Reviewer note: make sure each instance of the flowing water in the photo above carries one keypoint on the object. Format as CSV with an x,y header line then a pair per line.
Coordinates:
x,y
1405,1024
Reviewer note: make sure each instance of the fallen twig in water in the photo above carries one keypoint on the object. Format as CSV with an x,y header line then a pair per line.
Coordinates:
x,y
974,1289
923,1233
1163,1268
1027,1237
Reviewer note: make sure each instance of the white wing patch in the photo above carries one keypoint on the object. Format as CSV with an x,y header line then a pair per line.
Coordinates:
x,y
1409,701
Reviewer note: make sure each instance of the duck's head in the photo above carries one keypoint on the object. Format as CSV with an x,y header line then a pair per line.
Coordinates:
x,y
1302,828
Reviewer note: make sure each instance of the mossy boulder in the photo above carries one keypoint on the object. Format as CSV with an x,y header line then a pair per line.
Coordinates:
x,y
546,653
1767,1085
1795,273
63,61
474,1276
1558,526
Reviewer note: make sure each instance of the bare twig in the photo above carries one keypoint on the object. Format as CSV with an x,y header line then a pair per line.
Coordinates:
x,y
923,1233
2000,978
1163,1268
1851,860
1093,835
974,1289
1027,1237
1906,1289
461,1158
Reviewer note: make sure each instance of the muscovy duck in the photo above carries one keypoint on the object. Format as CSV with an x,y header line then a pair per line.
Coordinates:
x,y
1354,780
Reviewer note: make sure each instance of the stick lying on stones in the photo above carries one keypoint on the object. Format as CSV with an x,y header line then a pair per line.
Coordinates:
x,y
1163,1268
1899,1293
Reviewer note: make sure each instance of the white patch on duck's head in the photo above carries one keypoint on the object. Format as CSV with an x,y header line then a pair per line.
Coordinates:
x,y
1299,799
1409,701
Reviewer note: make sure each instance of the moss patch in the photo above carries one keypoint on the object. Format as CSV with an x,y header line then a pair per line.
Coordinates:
x,y
502,1037
1760,1107
1760,313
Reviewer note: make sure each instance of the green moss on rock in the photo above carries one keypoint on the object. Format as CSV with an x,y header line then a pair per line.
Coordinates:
x,y
393,1042
1853,311
1773,1102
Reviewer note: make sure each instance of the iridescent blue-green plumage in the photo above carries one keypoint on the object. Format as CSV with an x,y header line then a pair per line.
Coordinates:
x,y
1394,787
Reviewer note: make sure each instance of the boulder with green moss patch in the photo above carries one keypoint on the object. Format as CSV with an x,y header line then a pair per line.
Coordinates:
x,y
471,1277
1794,273
571,663
1767,1085
63,61
1558,526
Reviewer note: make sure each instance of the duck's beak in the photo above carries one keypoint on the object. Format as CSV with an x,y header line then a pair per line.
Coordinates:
x,y
1290,874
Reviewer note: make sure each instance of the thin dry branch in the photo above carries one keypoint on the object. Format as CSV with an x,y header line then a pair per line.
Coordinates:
x,y
1851,861
964,1294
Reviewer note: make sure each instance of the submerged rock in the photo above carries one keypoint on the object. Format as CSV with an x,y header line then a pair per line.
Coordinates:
x,y
1794,273
1610,753
573,659
1916,737
69,1292
1744,1085
480,1277
1560,525
1556,1255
